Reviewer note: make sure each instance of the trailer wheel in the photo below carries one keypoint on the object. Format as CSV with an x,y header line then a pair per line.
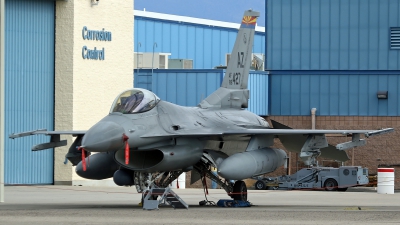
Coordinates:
x,y
239,191
260,185
342,189
330,185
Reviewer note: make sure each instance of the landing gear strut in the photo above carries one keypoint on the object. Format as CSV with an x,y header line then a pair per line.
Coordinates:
x,y
237,191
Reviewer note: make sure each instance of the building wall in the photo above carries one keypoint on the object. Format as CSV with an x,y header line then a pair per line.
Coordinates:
x,y
190,87
331,35
347,93
335,56
380,151
206,45
29,89
86,88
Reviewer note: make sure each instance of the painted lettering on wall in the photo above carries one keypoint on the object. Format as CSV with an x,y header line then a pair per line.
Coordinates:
x,y
98,35
95,35
92,54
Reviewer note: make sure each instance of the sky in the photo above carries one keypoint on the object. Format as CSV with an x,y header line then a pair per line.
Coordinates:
x,y
222,10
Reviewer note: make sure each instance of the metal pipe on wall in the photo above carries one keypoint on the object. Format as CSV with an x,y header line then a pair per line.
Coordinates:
x,y
2,86
137,56
152,61
313,110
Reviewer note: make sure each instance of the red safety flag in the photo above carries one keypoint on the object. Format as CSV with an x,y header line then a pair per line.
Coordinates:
x,y
83,158
125,139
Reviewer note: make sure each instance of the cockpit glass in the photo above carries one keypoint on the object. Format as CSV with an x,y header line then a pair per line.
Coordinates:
x,y
135,101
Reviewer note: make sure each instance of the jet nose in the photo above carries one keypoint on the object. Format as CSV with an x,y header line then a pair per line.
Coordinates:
x,y
103,136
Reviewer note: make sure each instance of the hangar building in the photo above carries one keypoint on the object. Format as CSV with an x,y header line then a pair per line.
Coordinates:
x,y
334,56
62,71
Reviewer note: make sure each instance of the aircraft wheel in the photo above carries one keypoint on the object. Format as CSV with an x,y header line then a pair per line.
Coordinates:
x,y
330,185
239,191
260,185
342,189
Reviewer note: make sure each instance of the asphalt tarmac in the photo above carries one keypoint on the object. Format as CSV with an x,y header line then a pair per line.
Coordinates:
x,y
119,205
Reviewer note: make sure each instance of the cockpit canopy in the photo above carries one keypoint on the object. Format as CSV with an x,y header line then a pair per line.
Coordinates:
x,y
134,101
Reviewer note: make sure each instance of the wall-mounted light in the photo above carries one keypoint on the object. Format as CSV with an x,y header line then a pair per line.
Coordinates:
x,y
382,94
95,2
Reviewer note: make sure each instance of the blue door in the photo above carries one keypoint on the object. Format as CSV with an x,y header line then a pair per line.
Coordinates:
x,y
29,92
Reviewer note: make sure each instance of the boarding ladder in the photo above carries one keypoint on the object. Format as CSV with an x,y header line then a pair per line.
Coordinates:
x,y
167,197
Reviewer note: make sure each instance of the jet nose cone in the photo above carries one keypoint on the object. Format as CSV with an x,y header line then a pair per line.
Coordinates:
x,y
103,136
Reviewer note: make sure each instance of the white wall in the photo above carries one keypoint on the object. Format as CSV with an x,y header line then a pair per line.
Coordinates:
x,y
86,88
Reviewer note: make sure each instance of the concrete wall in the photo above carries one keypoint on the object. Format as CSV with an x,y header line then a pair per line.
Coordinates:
x,y
86,88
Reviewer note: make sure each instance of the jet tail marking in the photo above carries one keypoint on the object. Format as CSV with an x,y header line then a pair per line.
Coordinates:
x,y
233,92
237,73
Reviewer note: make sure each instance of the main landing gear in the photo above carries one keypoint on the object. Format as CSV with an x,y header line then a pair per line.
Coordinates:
x,y
146,182
237,190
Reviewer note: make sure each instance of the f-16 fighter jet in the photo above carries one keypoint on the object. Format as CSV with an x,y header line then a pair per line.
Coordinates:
x,y
145,141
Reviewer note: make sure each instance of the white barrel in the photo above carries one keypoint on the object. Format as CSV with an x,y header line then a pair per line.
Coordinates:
x,y
385,181
180,182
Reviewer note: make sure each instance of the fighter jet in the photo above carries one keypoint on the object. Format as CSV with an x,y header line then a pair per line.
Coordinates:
x,y
145,141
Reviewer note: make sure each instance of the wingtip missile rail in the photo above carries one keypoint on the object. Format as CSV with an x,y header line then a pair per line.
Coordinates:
x,y
23,134
379,132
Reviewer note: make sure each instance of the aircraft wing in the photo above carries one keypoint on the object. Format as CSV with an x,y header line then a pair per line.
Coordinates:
x,y
367,133
296,140
272,131
54,140
46,132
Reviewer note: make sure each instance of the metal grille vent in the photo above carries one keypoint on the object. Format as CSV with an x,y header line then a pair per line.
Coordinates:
x,y
395,38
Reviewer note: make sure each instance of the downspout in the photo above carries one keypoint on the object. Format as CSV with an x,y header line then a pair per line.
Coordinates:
x,y
2,86
313,110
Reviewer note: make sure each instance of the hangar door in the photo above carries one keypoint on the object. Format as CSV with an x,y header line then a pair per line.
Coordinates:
x,y
29,92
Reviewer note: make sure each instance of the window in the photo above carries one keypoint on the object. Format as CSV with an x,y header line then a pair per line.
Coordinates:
x,y
135,101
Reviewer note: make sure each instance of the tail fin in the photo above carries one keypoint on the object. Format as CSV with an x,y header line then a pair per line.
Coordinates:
x,y
237,72
233,92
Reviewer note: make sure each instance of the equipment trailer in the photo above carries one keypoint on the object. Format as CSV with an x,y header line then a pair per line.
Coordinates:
x,y
329,178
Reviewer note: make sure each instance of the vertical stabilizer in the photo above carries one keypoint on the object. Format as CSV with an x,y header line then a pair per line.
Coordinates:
x,y
237,73
233,92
